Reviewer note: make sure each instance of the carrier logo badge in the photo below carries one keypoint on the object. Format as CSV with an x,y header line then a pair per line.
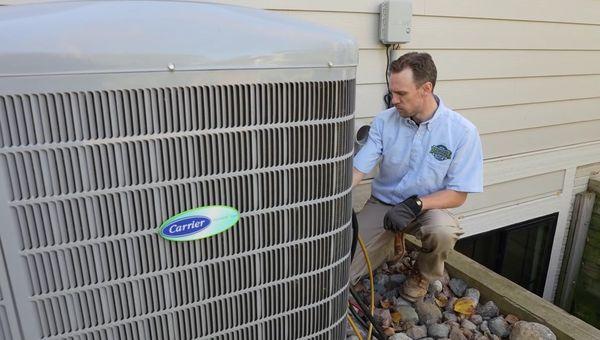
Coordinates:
x,y
199,223
440,152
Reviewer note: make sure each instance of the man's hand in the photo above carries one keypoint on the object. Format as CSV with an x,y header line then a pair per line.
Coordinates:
x,y
400,216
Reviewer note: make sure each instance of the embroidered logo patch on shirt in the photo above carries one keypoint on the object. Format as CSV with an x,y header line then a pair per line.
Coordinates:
x,y
440,152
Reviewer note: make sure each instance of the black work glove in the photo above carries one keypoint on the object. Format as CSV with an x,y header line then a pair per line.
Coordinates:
x,y
400,216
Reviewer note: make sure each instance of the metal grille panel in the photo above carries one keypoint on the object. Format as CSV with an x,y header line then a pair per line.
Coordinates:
x,y
93,174
87,116
5,326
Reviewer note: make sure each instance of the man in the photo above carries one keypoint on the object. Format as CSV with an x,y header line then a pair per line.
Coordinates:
x,y
430,158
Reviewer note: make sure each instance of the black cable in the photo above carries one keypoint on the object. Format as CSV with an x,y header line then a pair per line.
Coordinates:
x,y
354,235
367,313
365,326
388,96
360,320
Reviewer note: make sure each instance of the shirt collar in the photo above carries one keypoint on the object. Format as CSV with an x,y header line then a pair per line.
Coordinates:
x,y
440,111
409,122
433,121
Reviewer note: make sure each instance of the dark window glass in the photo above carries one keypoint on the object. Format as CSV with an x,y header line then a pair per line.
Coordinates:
x,y
520,252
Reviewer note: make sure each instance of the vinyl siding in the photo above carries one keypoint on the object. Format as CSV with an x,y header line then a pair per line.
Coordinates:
x,y
526,73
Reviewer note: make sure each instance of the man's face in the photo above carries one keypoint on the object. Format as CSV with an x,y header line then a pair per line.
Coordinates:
x,y
408,97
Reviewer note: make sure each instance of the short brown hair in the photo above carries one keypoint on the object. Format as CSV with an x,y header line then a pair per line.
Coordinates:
x,y
421,64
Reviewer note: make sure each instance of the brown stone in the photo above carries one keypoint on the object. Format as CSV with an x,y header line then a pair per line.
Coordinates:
x,y
428,312
511,319
531,331
383,317
456,334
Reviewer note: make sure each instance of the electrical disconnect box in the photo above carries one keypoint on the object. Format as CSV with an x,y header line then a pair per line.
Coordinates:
x,y
395,21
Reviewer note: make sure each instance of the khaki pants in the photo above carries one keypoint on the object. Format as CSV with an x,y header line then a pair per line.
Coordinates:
x,y
437,229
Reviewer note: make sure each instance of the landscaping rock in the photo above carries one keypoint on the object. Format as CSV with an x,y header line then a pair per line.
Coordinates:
x,y
382,317
511,319
435,287
456,334
449,316
523,330
499,326
458,286
397,279
448,300
484,327
447,291
428,312
488,310
399,336
417,332
466,324
450,305
438,330
407,314
381,279
476,319
399,301
472,293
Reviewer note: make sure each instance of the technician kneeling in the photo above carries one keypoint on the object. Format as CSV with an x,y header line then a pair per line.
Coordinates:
x,y
430,158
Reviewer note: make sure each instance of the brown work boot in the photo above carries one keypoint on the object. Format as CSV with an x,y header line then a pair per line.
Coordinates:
x,y
415,287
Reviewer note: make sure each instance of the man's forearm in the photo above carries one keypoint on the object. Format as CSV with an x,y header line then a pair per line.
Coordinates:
x,y
357,176
443,199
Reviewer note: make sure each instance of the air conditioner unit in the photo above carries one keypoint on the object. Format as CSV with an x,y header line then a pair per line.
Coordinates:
x,y
116,116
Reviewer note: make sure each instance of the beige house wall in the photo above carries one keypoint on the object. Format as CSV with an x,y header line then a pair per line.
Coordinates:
x,y
526,73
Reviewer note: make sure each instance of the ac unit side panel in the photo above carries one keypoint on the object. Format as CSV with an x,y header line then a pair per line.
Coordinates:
x,y
90,175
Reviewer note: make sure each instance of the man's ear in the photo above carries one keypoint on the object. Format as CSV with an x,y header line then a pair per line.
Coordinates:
x,y
427,87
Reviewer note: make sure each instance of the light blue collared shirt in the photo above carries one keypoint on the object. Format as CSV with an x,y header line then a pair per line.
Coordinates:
x,y
441,153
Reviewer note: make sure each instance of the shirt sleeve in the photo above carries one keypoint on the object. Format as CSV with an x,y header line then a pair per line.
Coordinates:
x,y
368,156
466,169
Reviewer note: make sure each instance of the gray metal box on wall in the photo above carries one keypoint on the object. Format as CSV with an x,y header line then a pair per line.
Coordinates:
x,y
115,116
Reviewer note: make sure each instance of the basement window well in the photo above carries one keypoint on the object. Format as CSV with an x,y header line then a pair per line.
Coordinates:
x,y
520,252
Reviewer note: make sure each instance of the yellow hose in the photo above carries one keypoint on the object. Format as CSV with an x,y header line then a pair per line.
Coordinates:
x,y
371,283
353,325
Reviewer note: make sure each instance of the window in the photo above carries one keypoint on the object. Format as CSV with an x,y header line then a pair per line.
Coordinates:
x,y
519,252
